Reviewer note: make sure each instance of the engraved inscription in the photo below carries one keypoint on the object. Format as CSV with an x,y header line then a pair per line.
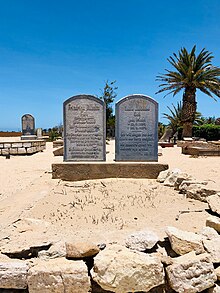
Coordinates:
x,y
136,133
84,129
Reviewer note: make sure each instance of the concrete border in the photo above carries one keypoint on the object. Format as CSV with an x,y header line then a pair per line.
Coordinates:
x,y
75,171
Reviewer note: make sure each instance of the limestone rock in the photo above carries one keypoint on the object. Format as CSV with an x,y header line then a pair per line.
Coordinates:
x,y
183,242
58,276
196,190
213,248
180,178
208,233
79,250
215,289
141,240
163,175
57,249
171,179
13,274
214,203
119,269
191,273
213,222
217,271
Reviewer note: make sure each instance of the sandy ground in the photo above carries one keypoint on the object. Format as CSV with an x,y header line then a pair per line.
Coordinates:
x,y
98,210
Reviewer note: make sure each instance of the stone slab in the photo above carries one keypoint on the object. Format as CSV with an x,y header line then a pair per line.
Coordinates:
x,y
74,171
28,124
136,136
84,129
28,137
199,151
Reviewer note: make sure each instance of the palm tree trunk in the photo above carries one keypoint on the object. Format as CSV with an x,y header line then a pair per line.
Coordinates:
x,y
188,110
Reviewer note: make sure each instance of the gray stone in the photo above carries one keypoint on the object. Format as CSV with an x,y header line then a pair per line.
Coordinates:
x,y
213,222
58,276
119,269
183,242
136,137
28,124
142,240
214,203
84,129
191,273
13,274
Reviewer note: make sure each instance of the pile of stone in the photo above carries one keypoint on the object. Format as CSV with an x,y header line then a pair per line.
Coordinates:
x,y
187,185
182,262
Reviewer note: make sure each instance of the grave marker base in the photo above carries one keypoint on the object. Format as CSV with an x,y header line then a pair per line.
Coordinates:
x,y
75,171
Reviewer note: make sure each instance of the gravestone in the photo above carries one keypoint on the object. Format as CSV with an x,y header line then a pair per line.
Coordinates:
x,y
136,137
28,127
39,132
84,129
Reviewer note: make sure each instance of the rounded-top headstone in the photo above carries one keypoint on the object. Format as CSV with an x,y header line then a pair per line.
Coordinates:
x,y
28,124
136,137
84,129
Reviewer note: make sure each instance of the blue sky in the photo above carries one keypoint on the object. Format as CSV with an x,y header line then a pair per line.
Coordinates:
x,y
51,50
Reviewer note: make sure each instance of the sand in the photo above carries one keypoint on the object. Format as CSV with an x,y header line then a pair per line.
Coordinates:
x,y
102,211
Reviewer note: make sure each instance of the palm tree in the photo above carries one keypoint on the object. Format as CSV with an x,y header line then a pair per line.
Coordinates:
x,y
175,117
191,73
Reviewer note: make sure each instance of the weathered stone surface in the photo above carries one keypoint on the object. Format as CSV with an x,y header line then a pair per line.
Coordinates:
x,y
180,178
84,129
81,250
171,179
183,242
196,190
215,289
217,272
208,233
136,137
119,269
85,171
58,152
191,273
213,222
163,175
58,276
57,249
57,143
28,124
13,274
213,248
142,240
214,203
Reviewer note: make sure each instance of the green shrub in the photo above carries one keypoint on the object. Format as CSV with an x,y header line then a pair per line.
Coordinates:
x,y
207,131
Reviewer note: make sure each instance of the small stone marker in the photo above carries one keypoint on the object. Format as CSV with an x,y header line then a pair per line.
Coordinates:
x,y
84,129
136,137
28,124
39,132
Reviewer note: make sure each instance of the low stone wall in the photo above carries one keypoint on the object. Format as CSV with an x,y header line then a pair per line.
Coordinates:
x,y
74,171
57,143
22,147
